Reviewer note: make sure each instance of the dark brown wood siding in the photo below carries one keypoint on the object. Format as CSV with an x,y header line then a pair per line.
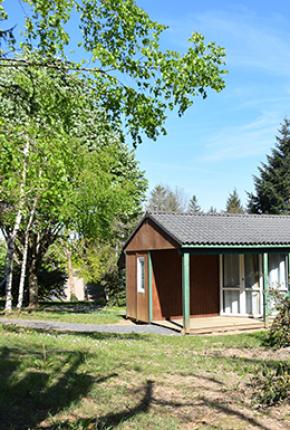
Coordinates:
x,y
142,298
167,284
131,285
148,237
137,303
204,285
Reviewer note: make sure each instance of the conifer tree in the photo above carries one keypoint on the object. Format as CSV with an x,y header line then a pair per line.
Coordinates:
x,y
234,204
193,206
164,199
212,210
272,185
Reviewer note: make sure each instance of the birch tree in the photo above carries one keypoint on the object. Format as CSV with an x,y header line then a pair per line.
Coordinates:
x,y
124,90
133,79
79,175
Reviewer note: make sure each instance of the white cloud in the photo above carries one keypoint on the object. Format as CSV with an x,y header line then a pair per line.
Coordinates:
x,y
242,141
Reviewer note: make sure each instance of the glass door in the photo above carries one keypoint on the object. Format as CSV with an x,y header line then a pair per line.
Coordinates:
x,y
252,276
231,284
241,284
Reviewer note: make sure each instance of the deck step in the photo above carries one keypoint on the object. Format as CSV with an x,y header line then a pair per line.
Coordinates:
x,y
224,329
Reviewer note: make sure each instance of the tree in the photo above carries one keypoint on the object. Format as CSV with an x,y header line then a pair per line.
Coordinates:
x,y
193,206
123,45
53,106
272,185
164,199
234,204
212,210
76,174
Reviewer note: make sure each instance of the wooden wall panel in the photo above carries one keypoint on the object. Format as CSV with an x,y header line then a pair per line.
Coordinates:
x,y
142,298
204,285
149,237
137,303
166,285
131,285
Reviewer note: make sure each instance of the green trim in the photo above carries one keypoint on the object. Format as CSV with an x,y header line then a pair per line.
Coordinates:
x,y
219,251
265,286
230,246
186,291
150,273
288,274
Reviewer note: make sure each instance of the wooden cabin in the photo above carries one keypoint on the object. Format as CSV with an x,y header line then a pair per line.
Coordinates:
x,y
184,266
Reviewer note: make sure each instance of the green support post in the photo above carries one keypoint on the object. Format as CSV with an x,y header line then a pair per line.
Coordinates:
x,y
265,287
150,273
186,291
289,275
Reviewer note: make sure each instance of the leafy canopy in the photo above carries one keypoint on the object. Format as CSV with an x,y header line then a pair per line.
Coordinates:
x,y
134,80
82,176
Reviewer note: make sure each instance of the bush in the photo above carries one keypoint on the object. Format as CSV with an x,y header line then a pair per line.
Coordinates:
x,y
272,385
279,332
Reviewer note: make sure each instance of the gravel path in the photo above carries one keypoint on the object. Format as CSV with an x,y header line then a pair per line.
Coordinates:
x,y
89,328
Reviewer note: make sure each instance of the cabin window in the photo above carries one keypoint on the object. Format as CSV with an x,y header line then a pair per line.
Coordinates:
x,y
231,271
278,271
140,275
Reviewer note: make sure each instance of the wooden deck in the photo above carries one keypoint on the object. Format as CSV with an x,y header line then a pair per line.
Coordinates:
x,y
215,324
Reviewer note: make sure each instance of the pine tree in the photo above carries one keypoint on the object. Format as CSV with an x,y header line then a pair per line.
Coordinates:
x,y
212,210
272,186
164,199
234,204
193,206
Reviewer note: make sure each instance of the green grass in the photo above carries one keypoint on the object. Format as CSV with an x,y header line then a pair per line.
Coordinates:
x,y
103,381
85,313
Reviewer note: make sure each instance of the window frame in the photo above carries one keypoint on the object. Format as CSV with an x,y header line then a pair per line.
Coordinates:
x,y
141,274
282,273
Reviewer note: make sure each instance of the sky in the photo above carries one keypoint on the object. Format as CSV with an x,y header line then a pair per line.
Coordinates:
x,y
220,142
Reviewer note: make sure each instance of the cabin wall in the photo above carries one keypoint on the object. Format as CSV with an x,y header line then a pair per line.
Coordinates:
x,y
167,284
149,237
137,303
204,285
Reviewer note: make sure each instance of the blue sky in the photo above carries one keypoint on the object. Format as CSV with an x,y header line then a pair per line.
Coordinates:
x,y
219,143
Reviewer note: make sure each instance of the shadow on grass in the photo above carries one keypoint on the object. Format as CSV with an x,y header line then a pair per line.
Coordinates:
x,y
112,420
13,328
229,411
144,405
68,308
81,308
48,384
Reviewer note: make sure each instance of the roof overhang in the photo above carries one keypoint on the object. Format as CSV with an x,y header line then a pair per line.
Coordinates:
x,y
216,249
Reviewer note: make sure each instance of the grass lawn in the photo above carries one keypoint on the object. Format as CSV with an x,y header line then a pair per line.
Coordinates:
x,y
74,382
79,312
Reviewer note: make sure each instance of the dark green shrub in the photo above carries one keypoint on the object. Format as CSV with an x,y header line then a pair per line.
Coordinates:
x,y
272,385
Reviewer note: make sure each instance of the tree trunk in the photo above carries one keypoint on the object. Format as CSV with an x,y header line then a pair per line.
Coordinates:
x,y
70,280
24,258
33,284
9,275
13,236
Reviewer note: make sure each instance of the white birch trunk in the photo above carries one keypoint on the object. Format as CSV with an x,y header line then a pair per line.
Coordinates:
x,y
70,281
13,236
24,257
